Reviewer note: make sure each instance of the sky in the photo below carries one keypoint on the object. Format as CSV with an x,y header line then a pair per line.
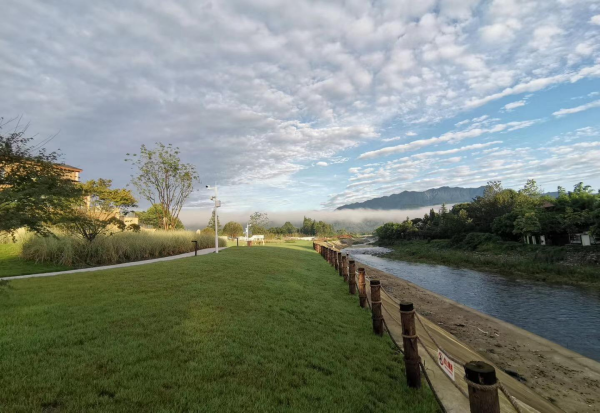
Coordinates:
x,y
310,105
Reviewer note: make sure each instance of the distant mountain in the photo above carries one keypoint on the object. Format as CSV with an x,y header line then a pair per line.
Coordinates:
x,y
415,199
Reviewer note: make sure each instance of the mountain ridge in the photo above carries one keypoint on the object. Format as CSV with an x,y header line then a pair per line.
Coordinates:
x,y
418,199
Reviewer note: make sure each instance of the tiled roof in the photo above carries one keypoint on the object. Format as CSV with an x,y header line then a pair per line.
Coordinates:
x,y
62,165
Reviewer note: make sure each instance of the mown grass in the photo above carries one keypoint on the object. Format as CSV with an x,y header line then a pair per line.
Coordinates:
x,y
118,248
270,329
541,263
11,263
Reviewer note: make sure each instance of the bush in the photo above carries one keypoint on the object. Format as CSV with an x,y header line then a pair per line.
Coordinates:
x,y
115,249
475,239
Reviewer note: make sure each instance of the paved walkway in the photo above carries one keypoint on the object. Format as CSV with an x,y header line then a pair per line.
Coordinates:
x,y
111,267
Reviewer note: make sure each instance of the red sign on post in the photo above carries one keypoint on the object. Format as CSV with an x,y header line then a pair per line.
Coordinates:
x,y
446,364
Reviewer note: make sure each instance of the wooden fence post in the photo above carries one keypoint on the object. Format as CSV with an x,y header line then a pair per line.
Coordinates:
x,y
411,348
362,288
352,277
345,269
376,307
336,254
332,257
483,387
341,261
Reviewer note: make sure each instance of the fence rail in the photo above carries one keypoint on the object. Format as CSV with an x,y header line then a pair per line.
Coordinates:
x,y
458,385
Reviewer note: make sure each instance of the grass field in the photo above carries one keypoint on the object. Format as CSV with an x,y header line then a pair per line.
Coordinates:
x,y
540,263
12,264
268,329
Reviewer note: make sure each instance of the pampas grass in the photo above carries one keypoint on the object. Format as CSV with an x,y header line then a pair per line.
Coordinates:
x,y
118,248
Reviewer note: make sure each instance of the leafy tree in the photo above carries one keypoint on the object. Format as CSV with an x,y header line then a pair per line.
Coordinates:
x,y
492,189
259,222
288,228
98,213
531,189
259,219
33,190
233,229
163,179
208,231
153,217
576,221
527,224
211,222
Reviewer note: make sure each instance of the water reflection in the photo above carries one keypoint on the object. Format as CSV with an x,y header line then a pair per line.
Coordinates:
x,y
566,315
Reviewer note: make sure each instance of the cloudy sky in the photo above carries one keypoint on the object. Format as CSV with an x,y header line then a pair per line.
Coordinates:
x,y
311,105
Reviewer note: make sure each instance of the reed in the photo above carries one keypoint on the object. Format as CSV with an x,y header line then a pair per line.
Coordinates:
x,y
118,248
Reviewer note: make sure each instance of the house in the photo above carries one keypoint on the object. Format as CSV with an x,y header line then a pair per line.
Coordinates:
x,y
70,172
130,218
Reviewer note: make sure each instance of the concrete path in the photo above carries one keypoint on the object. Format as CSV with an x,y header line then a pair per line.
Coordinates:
x,y
111,267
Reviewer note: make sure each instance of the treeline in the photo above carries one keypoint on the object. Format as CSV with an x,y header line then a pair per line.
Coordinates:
x,y
508,214
260,225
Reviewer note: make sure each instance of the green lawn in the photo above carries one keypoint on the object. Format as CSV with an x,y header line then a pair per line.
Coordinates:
x,y
11,264
269,329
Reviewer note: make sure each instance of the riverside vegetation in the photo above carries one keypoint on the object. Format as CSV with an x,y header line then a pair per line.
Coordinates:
x,y
488,233
162,337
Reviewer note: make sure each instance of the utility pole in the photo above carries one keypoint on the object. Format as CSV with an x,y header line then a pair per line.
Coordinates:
x,y
248,231
217,205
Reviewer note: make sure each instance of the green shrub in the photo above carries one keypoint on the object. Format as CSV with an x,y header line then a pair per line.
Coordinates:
x,y
475,239
115,249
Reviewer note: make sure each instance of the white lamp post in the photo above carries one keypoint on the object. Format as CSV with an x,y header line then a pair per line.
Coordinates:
x,y
248,231
217,205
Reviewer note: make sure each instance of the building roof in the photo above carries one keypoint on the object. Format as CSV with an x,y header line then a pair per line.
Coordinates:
x,y
65,166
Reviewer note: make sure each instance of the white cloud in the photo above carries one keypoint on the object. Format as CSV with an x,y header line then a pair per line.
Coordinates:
x,y
284,87
455,136
595,19
563,112
513,105
321,163
544,36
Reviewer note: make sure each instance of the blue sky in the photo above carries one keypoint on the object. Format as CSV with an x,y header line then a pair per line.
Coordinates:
x,y
316,105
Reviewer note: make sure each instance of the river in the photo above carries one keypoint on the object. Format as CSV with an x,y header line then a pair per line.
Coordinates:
x,y
569,316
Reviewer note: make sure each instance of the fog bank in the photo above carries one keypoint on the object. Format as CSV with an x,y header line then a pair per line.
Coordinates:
x,y
351,219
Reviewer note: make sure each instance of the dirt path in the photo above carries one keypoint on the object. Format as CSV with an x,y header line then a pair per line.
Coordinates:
x,y
567,379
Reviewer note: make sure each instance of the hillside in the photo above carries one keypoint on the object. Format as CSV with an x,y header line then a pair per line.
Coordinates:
x,y
416,199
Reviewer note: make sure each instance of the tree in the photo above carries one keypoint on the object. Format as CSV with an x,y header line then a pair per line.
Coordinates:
x,y
98,213
34,191
259,222
492,189
211,222
531,189
232,229
153,217
259,219
288,228
163,179
527,224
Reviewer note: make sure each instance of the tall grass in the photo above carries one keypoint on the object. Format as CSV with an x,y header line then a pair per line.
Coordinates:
x,y
115,249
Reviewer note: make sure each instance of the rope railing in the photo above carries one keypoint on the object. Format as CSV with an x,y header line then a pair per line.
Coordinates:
x,y
489,390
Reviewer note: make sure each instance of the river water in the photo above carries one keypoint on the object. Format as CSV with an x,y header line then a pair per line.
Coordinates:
x,y
569,316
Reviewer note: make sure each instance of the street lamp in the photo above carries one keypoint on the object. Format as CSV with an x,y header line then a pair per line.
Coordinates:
x,y
248,231
217,205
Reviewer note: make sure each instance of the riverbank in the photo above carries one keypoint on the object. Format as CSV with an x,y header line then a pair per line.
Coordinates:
x,y
249,329
567,379
561,265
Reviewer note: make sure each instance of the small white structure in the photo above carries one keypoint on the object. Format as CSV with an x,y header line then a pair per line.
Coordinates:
x,y
254,238
585,239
